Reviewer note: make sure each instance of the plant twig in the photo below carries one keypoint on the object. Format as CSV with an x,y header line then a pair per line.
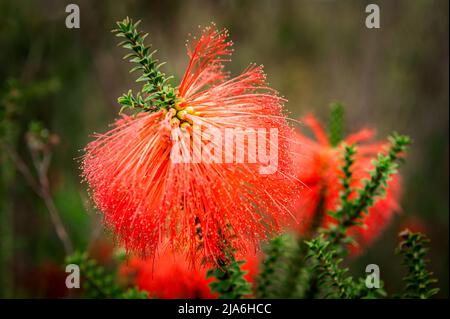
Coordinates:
x,y
42,189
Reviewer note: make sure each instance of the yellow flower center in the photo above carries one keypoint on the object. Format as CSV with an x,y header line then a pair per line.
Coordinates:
x,y
181,113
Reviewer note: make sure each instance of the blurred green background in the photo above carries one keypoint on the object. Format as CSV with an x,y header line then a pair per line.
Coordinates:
x,y
314,52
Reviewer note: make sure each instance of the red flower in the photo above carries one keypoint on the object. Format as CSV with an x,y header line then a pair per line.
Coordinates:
x,y
319,167
170,276
148,198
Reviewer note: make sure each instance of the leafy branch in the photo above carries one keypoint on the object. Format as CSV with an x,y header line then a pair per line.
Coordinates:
x,y
419,281
156,93
332,276
384,167
272,267
336,123
327,265
98,283
230,283
346,179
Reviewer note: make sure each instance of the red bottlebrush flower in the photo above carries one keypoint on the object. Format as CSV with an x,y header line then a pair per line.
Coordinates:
x,y
145,174
319,167
170,276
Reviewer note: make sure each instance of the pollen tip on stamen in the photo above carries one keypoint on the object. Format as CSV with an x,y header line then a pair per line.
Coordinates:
x,y
182,114
185,125
175,122
180,104
172,111
189,110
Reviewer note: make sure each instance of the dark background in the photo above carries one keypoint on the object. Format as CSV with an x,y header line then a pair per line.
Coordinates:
x,y
314,52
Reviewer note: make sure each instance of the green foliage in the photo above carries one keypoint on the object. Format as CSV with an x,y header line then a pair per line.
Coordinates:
x,y
346,179
135,103
385,167
327,265
327,248
419,281
321,274
336,123
134,293
373,189
298,273
271,267
230,283
332,277
284,273
97,282
314,266
349,153
156,93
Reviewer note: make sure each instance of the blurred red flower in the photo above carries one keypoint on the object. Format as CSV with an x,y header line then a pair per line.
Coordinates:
x,y
319,167
147,198
170,276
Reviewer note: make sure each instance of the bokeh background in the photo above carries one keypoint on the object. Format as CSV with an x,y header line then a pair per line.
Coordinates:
x,y
315,52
